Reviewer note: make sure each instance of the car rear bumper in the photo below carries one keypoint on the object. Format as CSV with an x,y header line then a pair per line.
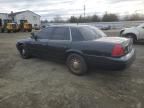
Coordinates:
x,y
113,63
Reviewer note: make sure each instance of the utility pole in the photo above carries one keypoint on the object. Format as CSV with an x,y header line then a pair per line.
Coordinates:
x,y
84,10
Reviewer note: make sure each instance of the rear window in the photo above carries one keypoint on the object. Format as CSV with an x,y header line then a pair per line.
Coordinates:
x,y
91,33
87,33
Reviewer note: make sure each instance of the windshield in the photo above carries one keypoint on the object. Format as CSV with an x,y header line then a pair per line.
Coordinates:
x,y
99,32
141,25
91,33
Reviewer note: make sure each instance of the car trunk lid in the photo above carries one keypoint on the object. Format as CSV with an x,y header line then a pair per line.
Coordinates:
x,y
126,43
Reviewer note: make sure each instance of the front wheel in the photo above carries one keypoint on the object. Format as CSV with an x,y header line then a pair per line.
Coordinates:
x,y
76,64
24,53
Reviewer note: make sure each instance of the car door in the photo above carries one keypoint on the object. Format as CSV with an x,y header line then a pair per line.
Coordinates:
x,y
39,46
141,31
59,42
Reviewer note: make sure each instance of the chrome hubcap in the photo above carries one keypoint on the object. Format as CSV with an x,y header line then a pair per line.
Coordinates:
x,y
23,52
75,65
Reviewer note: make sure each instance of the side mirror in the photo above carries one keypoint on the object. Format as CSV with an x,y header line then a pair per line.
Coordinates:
x,y
33,36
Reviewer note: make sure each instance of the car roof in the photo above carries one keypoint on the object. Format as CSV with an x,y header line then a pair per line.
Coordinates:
x,y
68,25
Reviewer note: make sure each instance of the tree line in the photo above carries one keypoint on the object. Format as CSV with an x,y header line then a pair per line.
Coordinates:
x,y
107,17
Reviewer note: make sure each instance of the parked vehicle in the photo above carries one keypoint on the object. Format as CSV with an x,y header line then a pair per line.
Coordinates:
x,y
36,27
7,25
135,33
80,46
25,26
103,27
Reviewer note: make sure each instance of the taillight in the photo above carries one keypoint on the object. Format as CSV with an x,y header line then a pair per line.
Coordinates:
x,y
118,50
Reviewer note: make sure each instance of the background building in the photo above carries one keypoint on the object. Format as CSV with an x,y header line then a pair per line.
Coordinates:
x,y
3,16
30,16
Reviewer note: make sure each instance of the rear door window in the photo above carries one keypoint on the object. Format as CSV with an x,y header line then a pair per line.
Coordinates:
x,y
76,35
60,33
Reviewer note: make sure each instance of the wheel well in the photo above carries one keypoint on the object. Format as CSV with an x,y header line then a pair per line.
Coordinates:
x,y
121,32
73,52
132,34
19,46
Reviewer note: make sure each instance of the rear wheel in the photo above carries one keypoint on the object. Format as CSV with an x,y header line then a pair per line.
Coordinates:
x,y
24,53
76,64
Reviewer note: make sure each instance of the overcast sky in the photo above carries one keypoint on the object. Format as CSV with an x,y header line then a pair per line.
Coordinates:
x,y
48,9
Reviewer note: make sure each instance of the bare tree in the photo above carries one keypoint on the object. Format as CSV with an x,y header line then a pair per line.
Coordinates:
x,y
110,17
134,17
58,19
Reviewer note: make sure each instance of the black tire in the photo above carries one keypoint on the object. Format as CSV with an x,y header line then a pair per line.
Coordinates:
x,y
2,30
15,31
29,30
23,52
76,64
8,31
131,36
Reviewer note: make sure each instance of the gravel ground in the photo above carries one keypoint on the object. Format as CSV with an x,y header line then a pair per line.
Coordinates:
x,y
38,83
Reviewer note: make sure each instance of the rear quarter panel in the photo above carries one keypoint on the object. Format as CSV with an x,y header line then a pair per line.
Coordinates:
x,y
93,48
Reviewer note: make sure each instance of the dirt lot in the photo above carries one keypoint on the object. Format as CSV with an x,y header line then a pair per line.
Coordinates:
x,y
37,83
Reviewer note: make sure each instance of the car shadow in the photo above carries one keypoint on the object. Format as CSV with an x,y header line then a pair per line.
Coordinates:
x,y
139,43
105,71
93,71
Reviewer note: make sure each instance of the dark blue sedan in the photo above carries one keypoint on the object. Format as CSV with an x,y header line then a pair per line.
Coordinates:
x,y
79,46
